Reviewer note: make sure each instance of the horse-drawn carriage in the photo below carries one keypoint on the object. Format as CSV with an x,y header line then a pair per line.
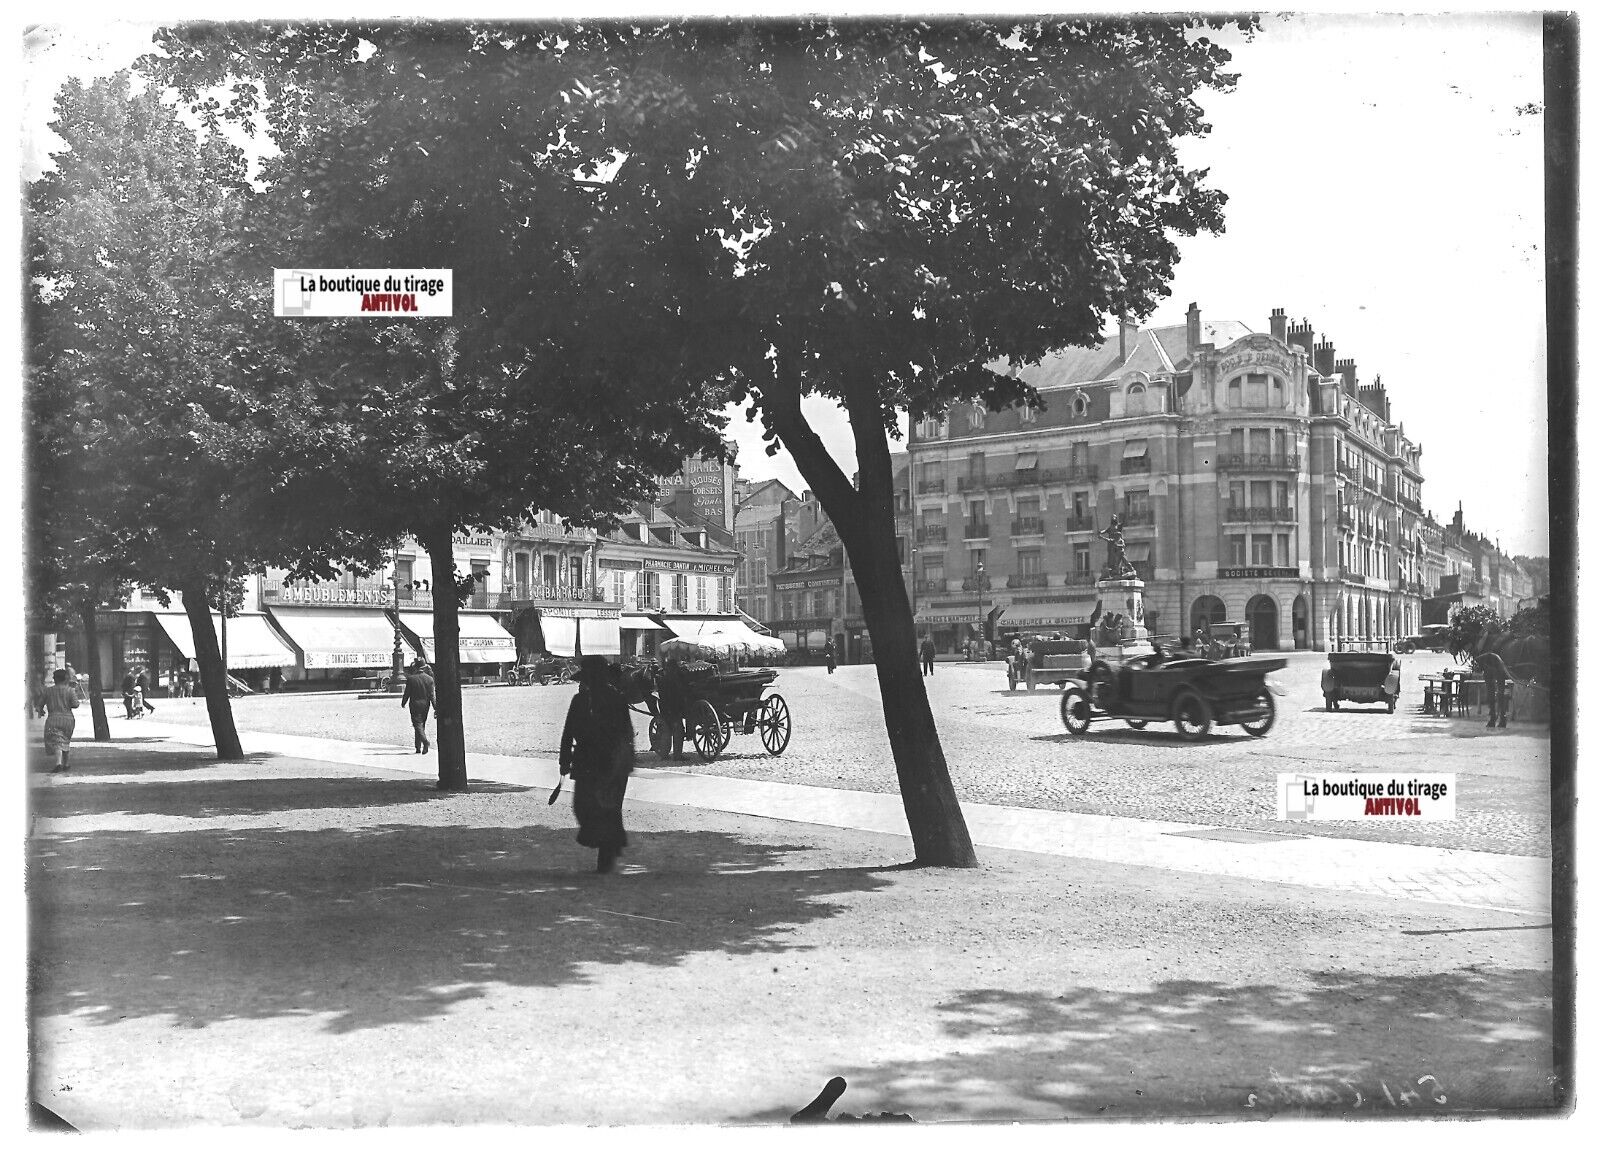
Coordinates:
x,y
722,703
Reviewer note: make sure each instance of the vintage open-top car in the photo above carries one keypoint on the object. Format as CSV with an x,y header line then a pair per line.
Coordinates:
x,y
1361,677
1193,694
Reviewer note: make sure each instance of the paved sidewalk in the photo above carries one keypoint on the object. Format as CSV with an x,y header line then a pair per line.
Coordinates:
x,y
1516,883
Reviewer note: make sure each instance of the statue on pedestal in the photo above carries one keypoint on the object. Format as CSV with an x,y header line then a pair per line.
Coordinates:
x,y
1117,565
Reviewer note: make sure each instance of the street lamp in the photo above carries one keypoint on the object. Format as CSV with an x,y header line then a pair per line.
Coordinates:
x,y
983,631
396,670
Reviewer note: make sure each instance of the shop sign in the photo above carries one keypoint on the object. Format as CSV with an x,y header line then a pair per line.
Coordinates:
x,y
692,568
135,647
1258,573
475,540
947,618
336,660
621,564
330,596
596,612
796,584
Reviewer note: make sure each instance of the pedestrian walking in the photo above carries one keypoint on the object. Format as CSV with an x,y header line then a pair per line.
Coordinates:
x,y
183,682
597,751
418,696
56,703
827,653
141,692
1495,675
673,692
927,655
127,693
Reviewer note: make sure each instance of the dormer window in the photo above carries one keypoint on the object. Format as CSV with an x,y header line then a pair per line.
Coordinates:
x,y
1080,404
1135,399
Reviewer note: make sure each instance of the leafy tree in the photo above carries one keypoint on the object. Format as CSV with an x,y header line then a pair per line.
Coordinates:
x,y
1471,628
880,214
537,393
144,339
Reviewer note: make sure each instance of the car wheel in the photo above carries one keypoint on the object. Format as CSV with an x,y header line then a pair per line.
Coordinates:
x,y
1191,714
1330,703
1137,724
1075,711
1263,725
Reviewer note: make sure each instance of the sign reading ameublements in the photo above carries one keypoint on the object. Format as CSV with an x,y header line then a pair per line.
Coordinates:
x,y
379,293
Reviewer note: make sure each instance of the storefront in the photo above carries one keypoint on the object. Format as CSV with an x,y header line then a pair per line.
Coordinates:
x,y
251,647
482,643
569,630
1043,618
161,643
335,643
951,628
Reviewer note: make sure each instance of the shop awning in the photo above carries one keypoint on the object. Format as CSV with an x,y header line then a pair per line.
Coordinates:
x,y
331,639
481,640
252,643
1027,462
600,636
1135,447
560,635
754,624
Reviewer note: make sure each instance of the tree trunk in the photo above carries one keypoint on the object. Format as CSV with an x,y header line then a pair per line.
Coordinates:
x,y
865,522
219,707
450,739
97,697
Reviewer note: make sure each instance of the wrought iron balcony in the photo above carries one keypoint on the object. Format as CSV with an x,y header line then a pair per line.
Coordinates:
x,y
1032,579
1236,514
977,583
1027,477
1079,523
1079,578
931,586
1411,504
555,592
977,531
930,487
1258,461
932,534
1027,525
1141,518
1002,479
1084,473
1349,472
970,482
1136,465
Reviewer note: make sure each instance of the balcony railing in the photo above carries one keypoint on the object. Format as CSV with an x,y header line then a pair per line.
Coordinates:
x,y
1002,479
1027,477
1349,472
1027,525
977,531
977,583
930,487
1411,504
1079,578
971,482
556,592
1346,520
931,586
932,534
1145,517
1032,579
1235,514
1136,465
1259,461
1084,473
1078,523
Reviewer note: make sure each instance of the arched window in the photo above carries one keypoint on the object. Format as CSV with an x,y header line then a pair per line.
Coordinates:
x,y
1135,400
1236,393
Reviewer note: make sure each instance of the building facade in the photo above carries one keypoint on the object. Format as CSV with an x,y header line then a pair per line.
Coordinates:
x,y
759,538
655,569
1255,479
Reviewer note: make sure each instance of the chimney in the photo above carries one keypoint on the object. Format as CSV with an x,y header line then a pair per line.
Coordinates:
x,y
1301,336
1127,334
1193,341
1347,368
1279,325
1322,357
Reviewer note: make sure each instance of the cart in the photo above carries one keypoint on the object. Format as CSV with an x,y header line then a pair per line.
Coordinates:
x,y
721,702
1054,661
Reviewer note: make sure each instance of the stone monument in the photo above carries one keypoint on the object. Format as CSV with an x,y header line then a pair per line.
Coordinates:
x,y
1119,608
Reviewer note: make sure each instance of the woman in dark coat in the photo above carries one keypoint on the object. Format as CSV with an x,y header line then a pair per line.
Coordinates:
x,y
597,751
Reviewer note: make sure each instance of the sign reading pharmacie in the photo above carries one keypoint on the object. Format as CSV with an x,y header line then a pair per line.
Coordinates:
x,y
692,568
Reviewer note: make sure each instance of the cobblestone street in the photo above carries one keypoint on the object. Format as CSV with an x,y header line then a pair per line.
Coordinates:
x,y
1008,748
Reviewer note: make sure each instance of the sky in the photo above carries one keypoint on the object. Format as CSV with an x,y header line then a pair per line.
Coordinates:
x,y
1385,181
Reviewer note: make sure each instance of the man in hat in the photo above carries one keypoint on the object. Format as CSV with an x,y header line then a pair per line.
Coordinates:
x,y
418,695
597,751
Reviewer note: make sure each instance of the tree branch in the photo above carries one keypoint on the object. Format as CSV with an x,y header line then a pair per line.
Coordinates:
x,y
805,445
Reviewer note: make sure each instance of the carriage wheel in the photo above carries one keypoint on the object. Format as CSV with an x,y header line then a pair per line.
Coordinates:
x,y
1075,711
1191,714
659,742
775,724
707,729
1263,725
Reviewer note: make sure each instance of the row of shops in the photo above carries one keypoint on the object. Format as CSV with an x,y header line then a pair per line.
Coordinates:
x,y
328,646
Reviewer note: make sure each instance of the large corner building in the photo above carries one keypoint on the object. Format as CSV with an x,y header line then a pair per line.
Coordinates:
x,y
1257,480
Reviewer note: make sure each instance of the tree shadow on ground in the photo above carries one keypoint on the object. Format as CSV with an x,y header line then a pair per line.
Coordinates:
x,y
375,923
225,797
1353,1044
